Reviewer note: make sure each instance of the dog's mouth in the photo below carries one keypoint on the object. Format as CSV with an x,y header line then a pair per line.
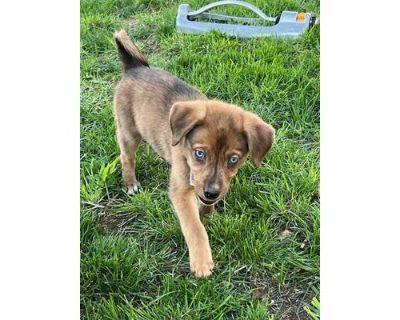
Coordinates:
x,y
206,202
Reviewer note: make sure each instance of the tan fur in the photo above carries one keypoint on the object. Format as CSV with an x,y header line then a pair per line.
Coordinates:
x,y
176,119
129,53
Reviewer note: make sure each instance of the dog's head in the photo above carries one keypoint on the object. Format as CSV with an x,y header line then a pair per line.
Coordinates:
x,y
216,139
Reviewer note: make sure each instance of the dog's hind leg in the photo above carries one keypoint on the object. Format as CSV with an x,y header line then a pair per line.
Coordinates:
x,y
128,141
128,162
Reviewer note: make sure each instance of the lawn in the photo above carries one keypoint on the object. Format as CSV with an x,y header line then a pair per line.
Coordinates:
x,y
265,236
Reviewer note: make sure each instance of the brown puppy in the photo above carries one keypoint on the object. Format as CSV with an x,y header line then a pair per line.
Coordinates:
x,y
205,141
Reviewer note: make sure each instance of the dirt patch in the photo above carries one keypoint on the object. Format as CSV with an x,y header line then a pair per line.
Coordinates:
x,y
152,45
133,24
112,223
144,36
285,234
287,302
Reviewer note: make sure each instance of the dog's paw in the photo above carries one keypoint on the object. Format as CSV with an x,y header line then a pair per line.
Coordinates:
x,y
131,190
201,264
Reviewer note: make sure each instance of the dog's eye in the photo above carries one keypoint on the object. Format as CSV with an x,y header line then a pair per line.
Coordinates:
x,y
199,154
234,159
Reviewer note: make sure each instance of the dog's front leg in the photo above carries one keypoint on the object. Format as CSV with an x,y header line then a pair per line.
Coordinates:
x,y
184,200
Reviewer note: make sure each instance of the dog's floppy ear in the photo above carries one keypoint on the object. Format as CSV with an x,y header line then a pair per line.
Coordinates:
x,y
260,137
183,116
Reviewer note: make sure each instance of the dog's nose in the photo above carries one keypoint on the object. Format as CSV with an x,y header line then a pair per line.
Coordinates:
x,y
211,193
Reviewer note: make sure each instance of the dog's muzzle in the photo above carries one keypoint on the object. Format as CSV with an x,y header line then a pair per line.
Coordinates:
x,y
201,200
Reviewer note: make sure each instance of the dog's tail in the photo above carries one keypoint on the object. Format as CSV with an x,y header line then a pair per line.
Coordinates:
x,y
128,53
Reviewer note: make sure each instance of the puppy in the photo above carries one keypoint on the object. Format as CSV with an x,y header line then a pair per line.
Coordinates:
x,y
205,142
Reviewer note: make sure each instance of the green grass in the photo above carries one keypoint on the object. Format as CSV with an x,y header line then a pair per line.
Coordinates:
x,y
134,261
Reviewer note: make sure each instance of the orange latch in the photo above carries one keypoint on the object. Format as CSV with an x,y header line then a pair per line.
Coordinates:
x,y
300,17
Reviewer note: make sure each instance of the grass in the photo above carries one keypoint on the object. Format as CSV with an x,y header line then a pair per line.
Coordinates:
x,y
134,262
